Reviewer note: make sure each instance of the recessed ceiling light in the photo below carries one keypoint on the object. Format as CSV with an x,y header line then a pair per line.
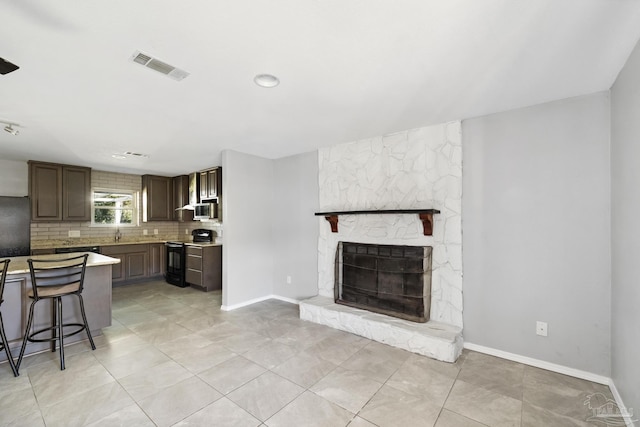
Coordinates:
x,y
266,80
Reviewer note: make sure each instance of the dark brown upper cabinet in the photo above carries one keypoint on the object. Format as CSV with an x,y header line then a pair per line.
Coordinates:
x,y
210,184
157,198
181,198
59,192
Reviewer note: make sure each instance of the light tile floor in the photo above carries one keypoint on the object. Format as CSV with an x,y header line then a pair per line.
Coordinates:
x,y
173,358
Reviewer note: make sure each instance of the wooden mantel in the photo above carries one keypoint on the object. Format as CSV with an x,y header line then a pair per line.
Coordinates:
x,y
425,215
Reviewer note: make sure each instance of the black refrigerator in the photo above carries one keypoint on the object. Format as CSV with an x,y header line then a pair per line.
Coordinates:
x,y
15,223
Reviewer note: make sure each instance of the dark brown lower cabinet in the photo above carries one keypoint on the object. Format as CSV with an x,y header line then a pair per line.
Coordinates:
x,y
204,267
138,262
156,259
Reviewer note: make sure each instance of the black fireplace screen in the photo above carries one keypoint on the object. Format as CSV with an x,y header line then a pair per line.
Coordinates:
x,y
387,279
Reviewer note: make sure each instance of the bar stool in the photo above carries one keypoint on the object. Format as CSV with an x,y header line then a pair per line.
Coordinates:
x,y
5,345
52,280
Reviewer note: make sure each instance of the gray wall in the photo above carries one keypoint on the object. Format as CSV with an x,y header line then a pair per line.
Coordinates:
x,y
536,232
247,215
625,231
270,231
295,228
14,178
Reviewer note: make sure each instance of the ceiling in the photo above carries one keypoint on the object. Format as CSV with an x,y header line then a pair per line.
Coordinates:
x,y
349,69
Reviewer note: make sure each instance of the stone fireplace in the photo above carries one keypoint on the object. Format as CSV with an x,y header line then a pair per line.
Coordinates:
x,y
416,169
389,279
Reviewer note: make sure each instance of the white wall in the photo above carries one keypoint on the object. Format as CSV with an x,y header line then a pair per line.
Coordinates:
x,y
295,230
536,221
14,178
247,252
625,236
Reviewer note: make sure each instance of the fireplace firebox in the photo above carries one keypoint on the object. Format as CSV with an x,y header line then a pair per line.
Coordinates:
x,y
387,279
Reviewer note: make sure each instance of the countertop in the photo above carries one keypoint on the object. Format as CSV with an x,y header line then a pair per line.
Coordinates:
x,y
76,243
203,244
19,265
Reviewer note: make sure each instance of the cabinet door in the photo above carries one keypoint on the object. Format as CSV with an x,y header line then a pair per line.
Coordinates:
x,y
193,265
118,270
45,191
204,185
76,193
181,198
156,259
157,198
137,265
212,183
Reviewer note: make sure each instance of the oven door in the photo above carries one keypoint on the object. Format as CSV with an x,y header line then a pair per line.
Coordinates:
x,y
175,270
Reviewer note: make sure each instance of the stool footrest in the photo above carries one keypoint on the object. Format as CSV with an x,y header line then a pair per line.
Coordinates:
x,y
32,336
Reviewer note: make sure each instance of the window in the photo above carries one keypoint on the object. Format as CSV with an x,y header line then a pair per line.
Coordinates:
x,y
114,207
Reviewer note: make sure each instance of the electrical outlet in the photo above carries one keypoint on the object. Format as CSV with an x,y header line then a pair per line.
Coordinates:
x,y
74,233
145,232
155,231
288,280
186,231
541,328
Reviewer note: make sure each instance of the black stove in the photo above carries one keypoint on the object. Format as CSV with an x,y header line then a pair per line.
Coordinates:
x,y
176,269
176,257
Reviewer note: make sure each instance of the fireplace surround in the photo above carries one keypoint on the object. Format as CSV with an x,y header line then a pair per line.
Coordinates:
x,y
407,170
389,279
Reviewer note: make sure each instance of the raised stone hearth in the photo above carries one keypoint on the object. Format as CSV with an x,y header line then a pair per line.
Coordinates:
x,y
433,339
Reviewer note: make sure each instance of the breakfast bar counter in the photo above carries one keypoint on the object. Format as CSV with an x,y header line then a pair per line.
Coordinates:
x,y
96,295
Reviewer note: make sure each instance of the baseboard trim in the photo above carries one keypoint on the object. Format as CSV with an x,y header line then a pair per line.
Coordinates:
x,y
561,369
257,300
618,398
286,299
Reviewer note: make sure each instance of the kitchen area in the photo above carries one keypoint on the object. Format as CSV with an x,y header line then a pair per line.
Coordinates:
x,y
166,222
169,232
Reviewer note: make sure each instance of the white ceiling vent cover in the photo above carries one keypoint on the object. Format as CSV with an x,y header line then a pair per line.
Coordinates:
x,y
156,64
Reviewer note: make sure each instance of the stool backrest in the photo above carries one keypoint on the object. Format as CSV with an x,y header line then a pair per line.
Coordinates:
x,y
4,265
57,272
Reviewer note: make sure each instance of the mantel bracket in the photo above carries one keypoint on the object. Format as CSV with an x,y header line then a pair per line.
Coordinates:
x,y
333,220
427,223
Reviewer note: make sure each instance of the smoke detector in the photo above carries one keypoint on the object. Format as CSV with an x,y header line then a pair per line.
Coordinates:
x,y
159,66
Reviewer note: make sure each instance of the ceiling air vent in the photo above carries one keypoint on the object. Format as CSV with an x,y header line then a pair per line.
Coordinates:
x,y
161,67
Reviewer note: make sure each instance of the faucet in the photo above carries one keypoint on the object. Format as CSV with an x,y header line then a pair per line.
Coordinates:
x,y
118,235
